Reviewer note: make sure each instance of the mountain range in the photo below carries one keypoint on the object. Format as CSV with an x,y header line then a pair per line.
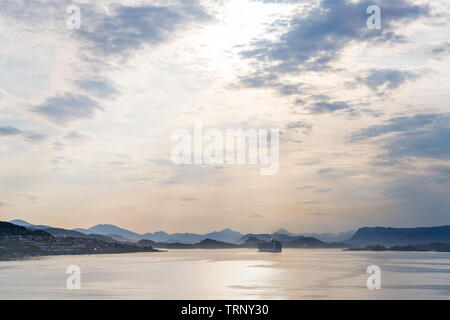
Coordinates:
x,y
362,237
225,235
18,242
400,236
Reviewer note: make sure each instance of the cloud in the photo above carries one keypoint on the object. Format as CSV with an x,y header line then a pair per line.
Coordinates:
x,y
432,142
188,199
262,80
382,80
27,196
309,202
398,124
76,137
67,107
305,187
98,87
28,136
442,49
9,131
323,190
324,170
125,28
3,204
34,136
422,136
299,125
162,162
188,174
296,126
317,214
328,107
441,174
310,162
316,38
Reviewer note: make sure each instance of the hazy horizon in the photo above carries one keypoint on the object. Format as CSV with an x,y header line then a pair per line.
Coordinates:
x,y
218,229
87,113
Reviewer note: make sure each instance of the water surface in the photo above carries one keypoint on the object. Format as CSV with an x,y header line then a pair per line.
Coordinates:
x,y
231,274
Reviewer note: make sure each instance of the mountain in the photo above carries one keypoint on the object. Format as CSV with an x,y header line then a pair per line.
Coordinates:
x,y
436,247
10,230
105,229
25,224
283,237
259,236
184,237
252,242
400,236
172,245
63,233
18,242
146,243
214,244
159,236
285,232
119,238
103,238
331,237
204,244
305,242
226,235
267,237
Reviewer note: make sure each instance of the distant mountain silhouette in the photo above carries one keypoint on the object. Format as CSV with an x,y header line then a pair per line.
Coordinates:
x,y
331,237
18,242
175,237
214,244
146,243
204,244
400,236
8,230
285,232
226,235
22,223
305,242
63,233
268,236
253,242
436,247
105,229
119,238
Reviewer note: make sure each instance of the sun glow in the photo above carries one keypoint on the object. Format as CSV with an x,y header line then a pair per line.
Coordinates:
x,y
237,24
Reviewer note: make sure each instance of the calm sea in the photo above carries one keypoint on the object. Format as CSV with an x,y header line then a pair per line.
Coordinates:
x,y
231,274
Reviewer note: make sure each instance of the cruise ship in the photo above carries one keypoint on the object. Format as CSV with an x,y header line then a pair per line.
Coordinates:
x,y
272,246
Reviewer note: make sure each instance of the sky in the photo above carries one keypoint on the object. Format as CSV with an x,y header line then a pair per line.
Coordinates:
x,y
87,114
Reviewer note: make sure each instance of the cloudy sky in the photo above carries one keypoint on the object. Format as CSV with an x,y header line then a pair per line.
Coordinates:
x,y
86,115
